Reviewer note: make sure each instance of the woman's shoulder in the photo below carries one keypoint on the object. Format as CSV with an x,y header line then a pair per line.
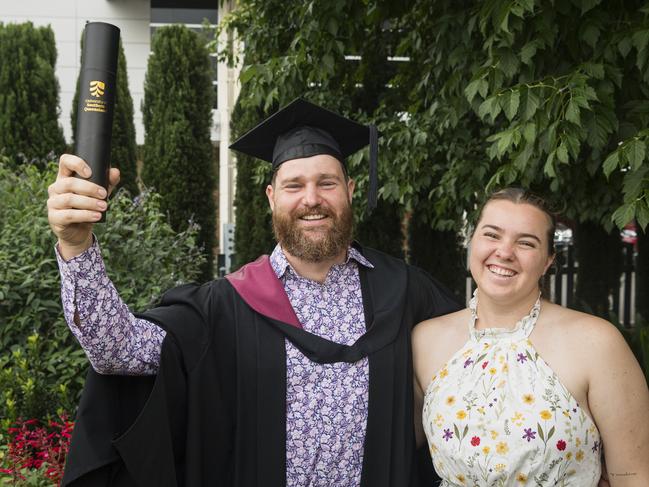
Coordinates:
x,y
440,334
590,333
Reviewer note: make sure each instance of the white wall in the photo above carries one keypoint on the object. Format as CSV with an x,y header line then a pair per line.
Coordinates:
x,y
67,19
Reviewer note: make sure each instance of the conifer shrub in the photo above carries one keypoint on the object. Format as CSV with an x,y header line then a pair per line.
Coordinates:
x,y
178,161
29,93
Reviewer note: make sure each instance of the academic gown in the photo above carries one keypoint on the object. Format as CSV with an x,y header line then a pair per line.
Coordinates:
x,y
215,413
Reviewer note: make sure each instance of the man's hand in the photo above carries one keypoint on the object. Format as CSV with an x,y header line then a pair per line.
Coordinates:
x,y
75,204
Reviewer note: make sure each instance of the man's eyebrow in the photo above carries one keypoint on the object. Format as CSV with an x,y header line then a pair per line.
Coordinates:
x,y
300,178
520,235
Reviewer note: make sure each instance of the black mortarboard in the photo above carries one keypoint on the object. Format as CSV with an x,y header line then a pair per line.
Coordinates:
x,y
302,129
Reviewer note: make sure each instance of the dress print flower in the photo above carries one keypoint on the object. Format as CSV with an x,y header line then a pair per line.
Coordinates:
x,y
529,434
561,445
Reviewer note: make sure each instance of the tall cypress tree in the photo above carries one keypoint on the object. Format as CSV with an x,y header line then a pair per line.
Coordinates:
x,y
123,152
177,110
29,93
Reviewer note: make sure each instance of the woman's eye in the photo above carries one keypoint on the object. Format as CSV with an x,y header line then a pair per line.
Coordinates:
x,y
490,235
527,244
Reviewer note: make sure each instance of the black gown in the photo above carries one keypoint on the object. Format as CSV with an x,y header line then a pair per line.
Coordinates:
x,y
215,414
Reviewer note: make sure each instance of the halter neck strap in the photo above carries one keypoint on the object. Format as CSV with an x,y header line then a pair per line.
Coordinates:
x,y
521,330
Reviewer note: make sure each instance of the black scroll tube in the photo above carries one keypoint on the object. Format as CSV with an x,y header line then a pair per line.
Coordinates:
x,y
97,86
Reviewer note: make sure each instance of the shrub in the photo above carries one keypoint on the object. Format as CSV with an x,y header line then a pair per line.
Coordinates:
x,y
144,257
177,113
35,453
123,150
29,93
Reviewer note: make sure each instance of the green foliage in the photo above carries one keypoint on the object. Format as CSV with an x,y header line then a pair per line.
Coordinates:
x,y
144,257
37,383
253,233
123,151
546,95
177,117
29,98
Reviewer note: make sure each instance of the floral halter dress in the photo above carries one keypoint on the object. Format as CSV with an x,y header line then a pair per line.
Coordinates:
x,y
497,415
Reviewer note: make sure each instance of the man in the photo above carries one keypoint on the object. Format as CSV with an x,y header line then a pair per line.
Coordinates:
x,y
294,370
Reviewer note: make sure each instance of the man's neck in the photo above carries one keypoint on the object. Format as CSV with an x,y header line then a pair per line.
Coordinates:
x,y
315,271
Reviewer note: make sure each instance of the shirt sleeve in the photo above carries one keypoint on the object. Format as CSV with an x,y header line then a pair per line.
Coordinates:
x,y
115,341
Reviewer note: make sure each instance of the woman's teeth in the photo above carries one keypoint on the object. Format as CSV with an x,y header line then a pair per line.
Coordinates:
x,y
501,271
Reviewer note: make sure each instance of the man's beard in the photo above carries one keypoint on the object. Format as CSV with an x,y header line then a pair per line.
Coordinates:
x,y
328,243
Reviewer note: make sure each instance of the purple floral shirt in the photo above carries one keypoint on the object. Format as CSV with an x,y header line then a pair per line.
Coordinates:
x,y
326,404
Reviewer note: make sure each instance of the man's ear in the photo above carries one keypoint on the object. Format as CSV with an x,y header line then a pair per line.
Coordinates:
x,y
270,191
351,185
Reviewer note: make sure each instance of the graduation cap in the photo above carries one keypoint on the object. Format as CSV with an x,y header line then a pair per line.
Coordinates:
x,y
302,129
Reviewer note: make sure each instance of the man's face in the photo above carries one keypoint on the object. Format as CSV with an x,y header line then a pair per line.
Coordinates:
x,y
311,204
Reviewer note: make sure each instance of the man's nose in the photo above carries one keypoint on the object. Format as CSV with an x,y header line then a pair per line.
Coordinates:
x,y
311,195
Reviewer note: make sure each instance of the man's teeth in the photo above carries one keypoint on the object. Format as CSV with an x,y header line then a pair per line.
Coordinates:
x,y
501,272
313,217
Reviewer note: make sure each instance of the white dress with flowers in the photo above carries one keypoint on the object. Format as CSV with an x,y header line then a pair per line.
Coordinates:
x,y
497,415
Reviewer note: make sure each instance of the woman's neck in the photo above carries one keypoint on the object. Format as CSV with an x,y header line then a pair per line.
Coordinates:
x,y
503,314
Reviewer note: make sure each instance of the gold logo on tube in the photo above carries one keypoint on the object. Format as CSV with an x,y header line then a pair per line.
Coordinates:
x,y
97,88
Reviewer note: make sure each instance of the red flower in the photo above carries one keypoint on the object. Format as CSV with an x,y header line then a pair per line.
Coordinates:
x,y
475,441
561,445
34,444
484,364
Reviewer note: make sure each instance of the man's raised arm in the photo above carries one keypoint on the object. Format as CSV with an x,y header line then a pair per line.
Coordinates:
x,y
114,340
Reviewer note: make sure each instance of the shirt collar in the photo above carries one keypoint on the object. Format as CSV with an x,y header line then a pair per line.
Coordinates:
x,y
280,263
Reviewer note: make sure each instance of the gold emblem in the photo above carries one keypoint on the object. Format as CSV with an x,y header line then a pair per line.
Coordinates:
x,y
97,88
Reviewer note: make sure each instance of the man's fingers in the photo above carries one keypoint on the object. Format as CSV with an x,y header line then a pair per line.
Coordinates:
x,y
76,186
75,201
63,218
70,164
113,179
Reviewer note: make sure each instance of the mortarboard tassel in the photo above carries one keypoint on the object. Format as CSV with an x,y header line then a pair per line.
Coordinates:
x,y
374,178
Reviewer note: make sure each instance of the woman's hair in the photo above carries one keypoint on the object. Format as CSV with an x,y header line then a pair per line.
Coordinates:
x,y
520,196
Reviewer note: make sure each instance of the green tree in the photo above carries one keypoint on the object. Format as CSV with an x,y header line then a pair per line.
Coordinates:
x,y
563,109
29,93
177,112
551,96
123,151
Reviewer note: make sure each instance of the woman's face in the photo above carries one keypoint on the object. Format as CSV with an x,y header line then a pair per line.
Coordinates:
x,y
509,251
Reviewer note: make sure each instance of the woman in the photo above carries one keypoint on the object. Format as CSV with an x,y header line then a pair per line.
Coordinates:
x,y
517,390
